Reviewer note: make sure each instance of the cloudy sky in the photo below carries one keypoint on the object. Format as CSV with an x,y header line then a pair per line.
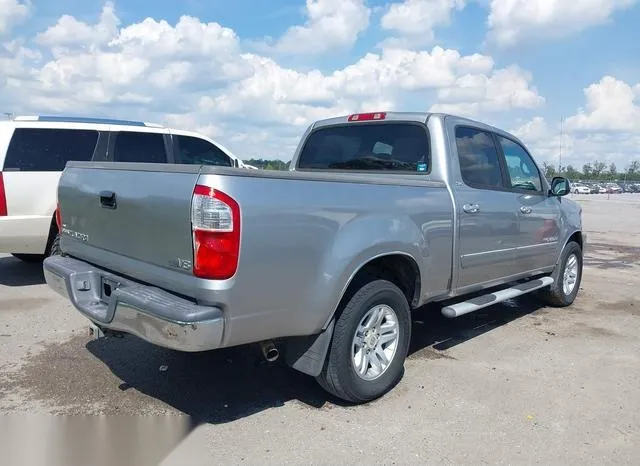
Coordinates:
x,y
253,73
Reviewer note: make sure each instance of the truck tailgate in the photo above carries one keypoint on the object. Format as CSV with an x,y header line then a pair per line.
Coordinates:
x,y
136,211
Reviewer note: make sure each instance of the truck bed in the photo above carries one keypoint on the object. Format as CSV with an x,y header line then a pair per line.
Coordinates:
x,y
302,232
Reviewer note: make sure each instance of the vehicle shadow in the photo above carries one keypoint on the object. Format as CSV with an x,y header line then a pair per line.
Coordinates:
x,y
225,385
432,331
14,272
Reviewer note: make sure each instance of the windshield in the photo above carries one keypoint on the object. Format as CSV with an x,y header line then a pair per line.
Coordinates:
x,y
388,146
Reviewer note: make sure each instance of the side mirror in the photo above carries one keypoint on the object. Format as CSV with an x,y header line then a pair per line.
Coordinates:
x,y
559,186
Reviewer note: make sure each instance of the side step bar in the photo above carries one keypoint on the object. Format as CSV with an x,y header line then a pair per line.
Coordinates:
x,y
465,307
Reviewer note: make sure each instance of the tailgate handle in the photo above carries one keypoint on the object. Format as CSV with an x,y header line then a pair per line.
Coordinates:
x,y
108,199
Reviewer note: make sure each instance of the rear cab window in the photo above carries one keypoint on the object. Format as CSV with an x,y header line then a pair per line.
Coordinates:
x,y
391,146
49,149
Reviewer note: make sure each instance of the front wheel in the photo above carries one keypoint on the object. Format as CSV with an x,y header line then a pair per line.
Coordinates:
x,y
370,343
567,277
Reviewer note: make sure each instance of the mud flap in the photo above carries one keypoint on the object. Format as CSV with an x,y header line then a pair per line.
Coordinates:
x,y
307,354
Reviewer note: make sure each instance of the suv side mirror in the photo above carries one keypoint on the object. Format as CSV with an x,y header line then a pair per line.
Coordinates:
x,y
559,186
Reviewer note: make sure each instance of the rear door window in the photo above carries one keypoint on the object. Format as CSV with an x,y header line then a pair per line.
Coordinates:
x,y
389,146
133,146
478,157
47,149
200,152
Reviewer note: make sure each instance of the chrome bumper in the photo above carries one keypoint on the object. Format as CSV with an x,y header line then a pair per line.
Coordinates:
x,y
118,304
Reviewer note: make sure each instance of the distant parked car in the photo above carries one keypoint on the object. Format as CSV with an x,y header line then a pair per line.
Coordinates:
x,y
613,188
597,189
580,188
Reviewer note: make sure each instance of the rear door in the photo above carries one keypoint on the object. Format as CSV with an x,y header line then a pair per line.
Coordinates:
x,y
487,212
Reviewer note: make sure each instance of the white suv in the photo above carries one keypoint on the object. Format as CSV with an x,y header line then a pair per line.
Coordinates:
x,y
35,149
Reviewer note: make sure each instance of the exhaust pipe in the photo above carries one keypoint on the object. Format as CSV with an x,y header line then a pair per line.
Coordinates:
x,y
269,350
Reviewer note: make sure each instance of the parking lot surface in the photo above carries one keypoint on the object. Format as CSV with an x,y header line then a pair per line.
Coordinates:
x,y
516,383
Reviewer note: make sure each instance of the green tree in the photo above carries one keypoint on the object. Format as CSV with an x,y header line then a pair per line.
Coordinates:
x,y
549,170
587,170
634,167
572,173
598,168
613,170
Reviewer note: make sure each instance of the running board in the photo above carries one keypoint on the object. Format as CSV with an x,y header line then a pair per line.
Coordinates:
x,y
472,305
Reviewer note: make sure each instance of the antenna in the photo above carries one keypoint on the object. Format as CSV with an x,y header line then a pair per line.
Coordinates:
x,y
9,115
561,138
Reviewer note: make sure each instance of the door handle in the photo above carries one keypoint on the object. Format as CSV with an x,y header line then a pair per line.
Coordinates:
x,y
525,210
108,199
471,208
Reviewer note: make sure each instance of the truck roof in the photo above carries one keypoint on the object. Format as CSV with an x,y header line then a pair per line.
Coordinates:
x,y
419,117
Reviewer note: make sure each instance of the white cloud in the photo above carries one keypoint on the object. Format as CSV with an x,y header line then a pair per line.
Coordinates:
x,y
513,21
11,13
69,31
331,24
196,75
413,21
608,129
612,105
505,89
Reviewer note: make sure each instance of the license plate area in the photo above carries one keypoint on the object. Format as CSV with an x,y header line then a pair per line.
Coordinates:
x,y
107,288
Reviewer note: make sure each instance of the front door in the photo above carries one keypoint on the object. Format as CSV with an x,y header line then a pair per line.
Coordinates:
x,y
487,212
538,213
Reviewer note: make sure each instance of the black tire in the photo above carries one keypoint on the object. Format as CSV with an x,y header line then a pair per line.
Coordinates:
x,y
54,250
338,375
554,295
29,258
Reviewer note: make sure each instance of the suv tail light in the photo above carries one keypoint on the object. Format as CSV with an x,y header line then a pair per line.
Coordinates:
x,y
59,218
215,222
3,198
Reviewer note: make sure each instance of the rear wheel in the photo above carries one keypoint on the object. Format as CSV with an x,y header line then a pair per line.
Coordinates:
x,y
567,277
370,343
54,250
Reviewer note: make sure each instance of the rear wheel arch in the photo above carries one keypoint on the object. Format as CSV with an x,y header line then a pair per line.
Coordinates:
x,y
401,269
53,233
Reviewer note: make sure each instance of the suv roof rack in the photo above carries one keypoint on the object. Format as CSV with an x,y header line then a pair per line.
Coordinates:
x,y
73,119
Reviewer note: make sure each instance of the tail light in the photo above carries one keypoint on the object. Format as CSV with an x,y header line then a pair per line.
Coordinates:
x,y
215,221
58,218
3,199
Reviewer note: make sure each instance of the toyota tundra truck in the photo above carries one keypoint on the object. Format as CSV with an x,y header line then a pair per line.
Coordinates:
x,y
380,214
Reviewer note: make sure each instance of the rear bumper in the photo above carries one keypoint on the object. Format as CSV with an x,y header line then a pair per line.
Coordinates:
x,y
118,304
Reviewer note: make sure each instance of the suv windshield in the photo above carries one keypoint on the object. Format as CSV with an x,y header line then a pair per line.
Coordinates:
x,y
388,146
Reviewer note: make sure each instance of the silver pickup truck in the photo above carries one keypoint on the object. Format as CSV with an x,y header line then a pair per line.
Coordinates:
x,y
380,214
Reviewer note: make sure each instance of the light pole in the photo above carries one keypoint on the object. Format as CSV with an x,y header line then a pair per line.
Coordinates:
x,y
561,137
